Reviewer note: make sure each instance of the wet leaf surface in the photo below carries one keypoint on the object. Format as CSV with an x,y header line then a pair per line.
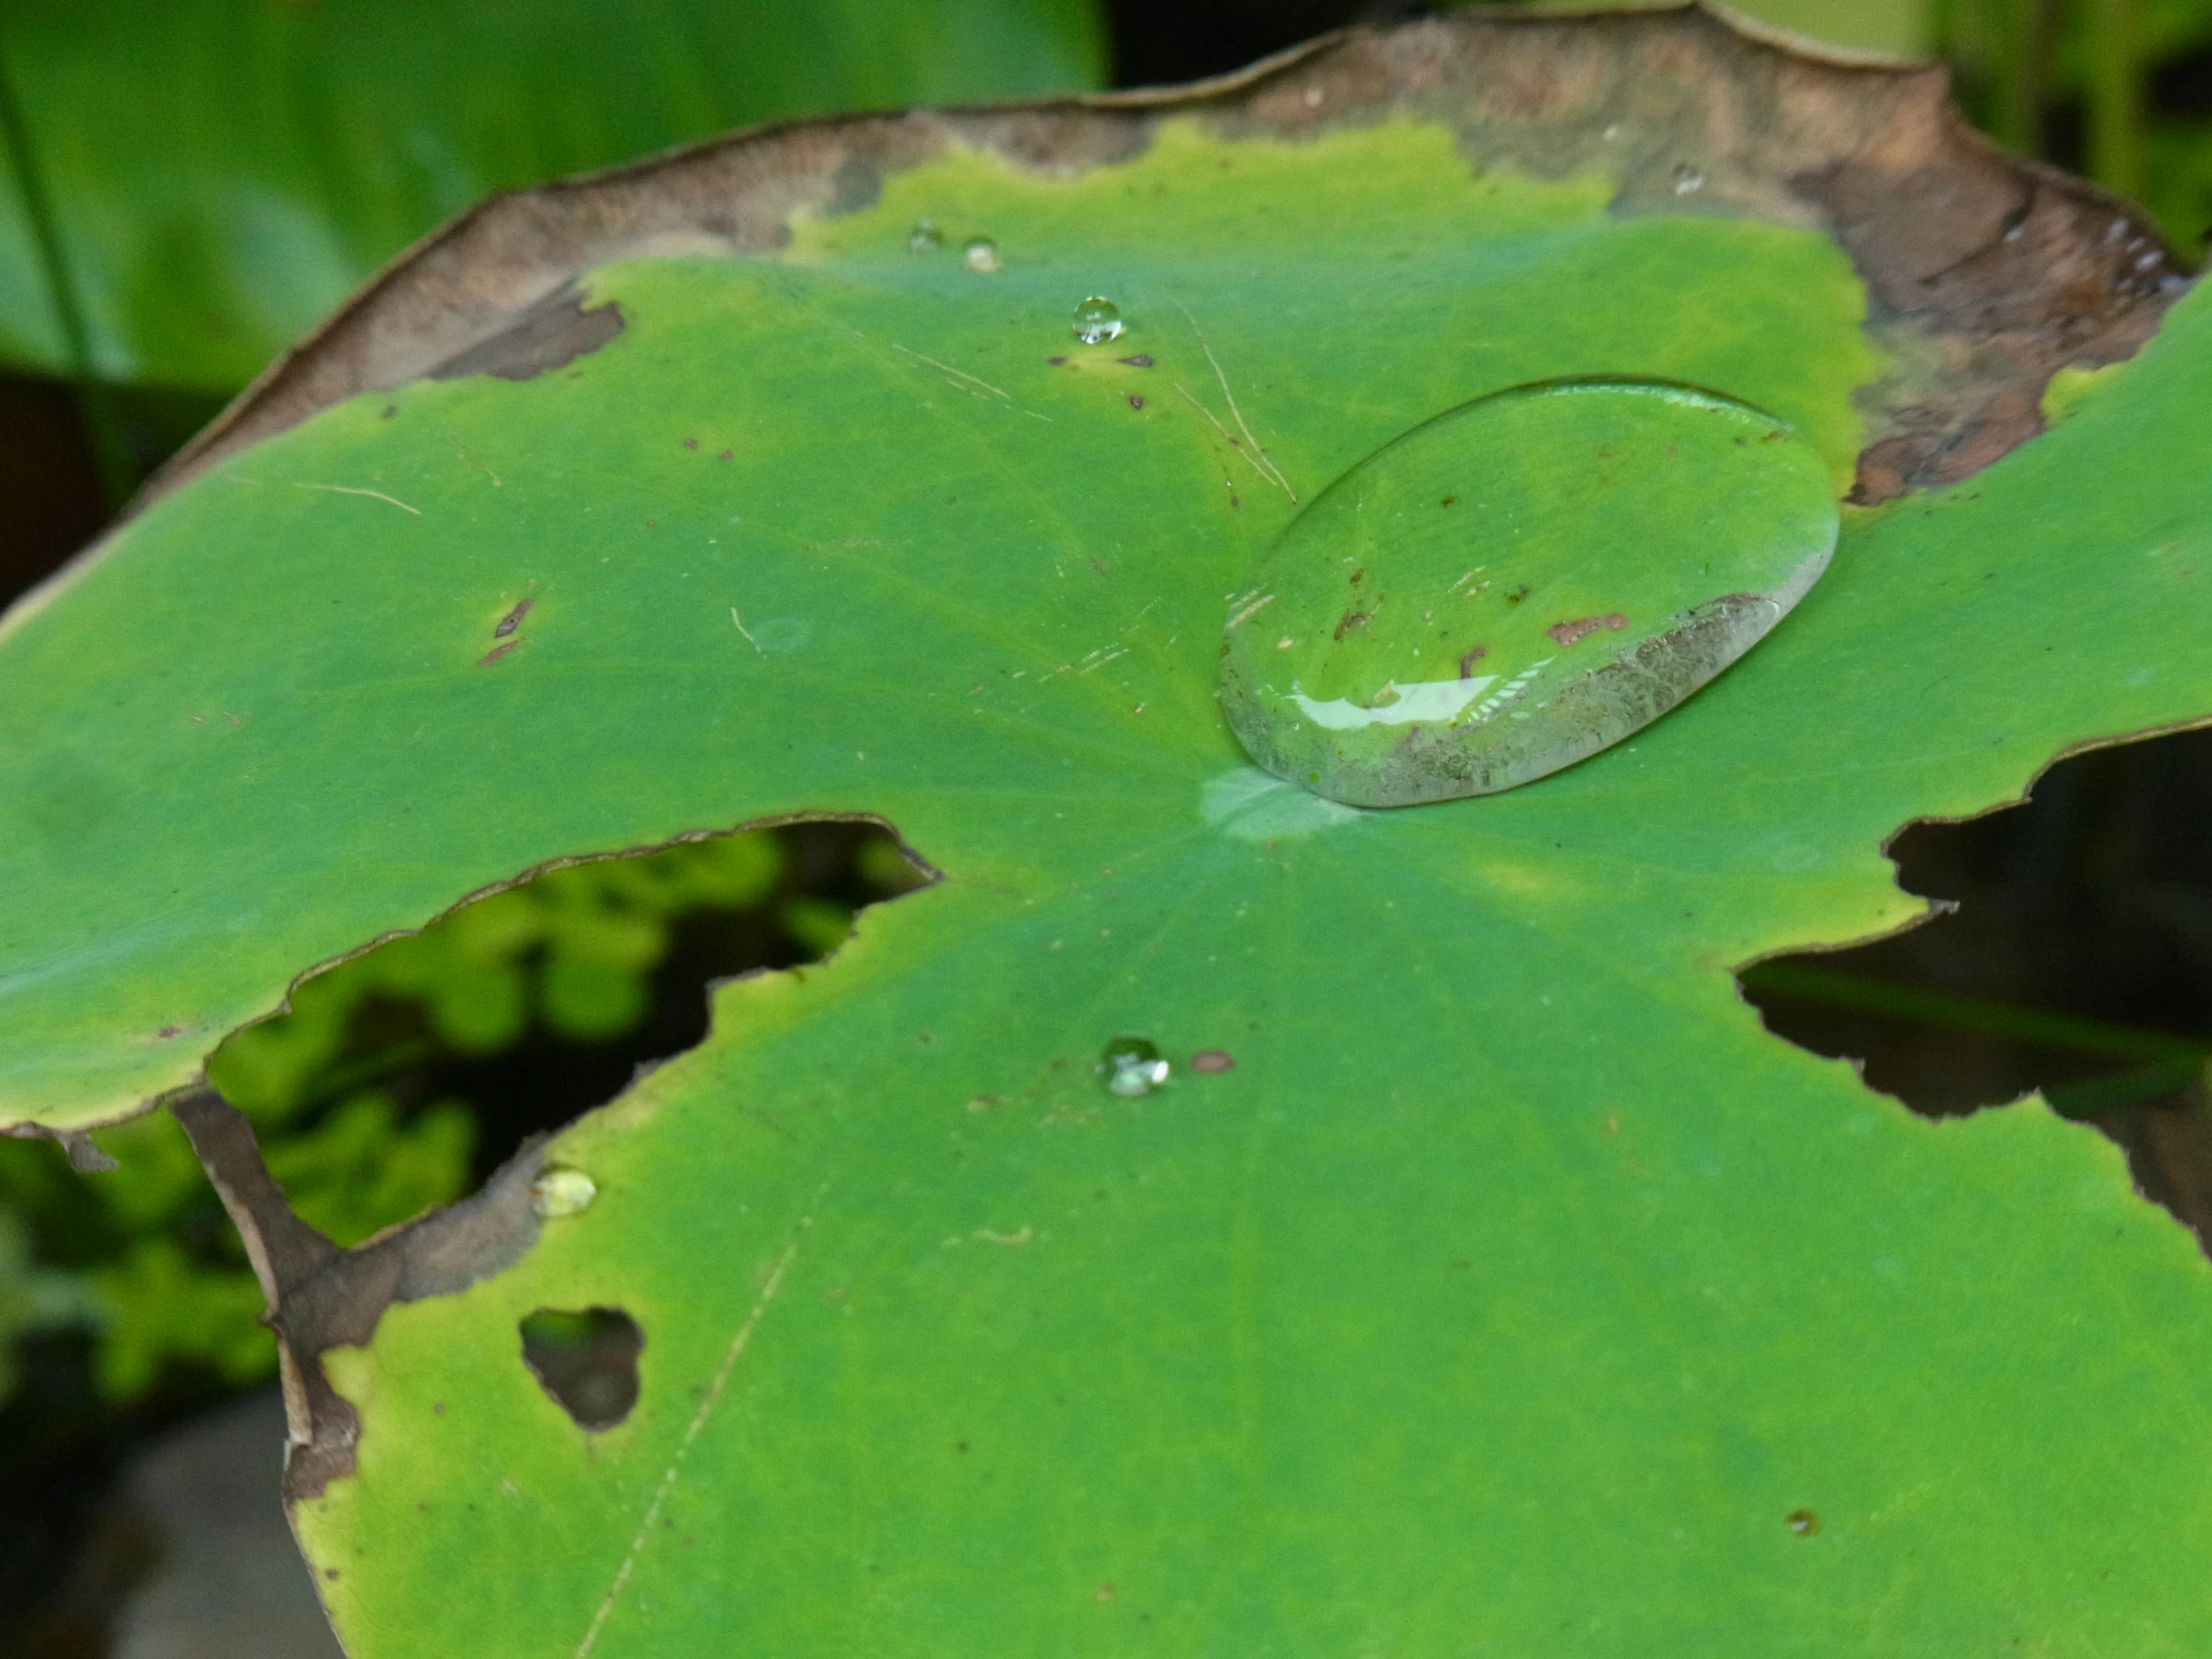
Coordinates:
x,y
1480,1273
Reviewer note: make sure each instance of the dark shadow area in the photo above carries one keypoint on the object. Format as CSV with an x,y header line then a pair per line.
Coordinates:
x,y
587,1360
2077,960
1161,41
50,499
66,1562
51,495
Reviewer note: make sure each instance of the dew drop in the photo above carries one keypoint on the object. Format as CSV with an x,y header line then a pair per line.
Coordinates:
x,y
560,1191
1803,1523
1097,320
1131,1066
1615,544
980,254
1687,178
925,237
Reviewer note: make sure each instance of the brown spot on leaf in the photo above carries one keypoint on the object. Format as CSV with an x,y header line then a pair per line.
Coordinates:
x,y
513,619
1469,658
1350,620
549,334
1513,596
1213,1059
1135,402
1447,501
1581,627
495,653
1803,1523
1142,360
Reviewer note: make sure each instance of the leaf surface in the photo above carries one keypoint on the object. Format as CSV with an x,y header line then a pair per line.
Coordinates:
x,y
1511,1292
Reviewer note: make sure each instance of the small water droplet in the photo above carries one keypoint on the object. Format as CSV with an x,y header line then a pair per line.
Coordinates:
x,y
1634,536
1687,178
925,237
1097,320
560,1191
980,254
1803,1523
1132,1066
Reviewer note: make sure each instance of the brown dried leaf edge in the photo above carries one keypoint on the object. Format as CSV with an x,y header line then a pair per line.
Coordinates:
x,y
1986,274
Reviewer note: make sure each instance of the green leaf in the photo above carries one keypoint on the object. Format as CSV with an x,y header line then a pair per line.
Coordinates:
x,y
225,170
1496,1283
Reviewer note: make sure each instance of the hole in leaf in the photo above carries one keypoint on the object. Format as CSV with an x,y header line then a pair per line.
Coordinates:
x,y
2077,960
402,1077
587,1360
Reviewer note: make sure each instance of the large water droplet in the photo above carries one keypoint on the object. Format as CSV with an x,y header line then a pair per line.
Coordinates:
x,y
1132,1066
1519,583
1097,320
980,254
925,237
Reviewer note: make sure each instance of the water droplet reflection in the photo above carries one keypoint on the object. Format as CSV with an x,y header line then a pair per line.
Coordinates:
x,y
1131,1066
1518,583
1803,1523
1687,178
980,254
1097,320
925,237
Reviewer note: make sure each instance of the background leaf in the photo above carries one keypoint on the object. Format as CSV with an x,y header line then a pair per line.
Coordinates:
x,y
225,170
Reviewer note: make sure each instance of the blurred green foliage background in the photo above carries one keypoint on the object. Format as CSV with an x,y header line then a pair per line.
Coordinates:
x,y
390,1083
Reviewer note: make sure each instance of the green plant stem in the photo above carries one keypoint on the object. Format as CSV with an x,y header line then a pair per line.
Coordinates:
x,y
2112,33
1973,1013
96,406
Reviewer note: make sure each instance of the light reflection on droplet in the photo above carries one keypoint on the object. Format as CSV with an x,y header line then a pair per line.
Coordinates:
x,y
925,237
1097,320
1132,1066
981,253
